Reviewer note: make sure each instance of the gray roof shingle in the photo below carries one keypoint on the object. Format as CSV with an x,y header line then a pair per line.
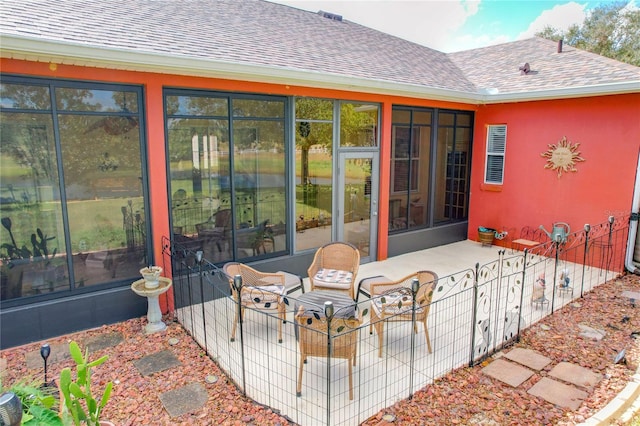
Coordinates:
x,y
260,33
497,67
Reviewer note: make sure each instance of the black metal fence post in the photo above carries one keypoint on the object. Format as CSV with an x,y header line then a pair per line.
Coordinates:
x,y
199,259
522,289
474,315
415,286
193,330
556,243
609,248
587,229
237,287
328,314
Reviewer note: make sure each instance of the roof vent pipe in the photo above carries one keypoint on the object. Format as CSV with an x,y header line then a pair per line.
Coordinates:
x,y
560,46
329,15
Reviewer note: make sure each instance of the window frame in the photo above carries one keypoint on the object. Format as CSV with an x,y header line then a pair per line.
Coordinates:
x,y
55,111
492,153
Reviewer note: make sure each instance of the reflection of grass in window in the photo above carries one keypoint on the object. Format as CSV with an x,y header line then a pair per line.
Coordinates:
x,y
98,223
321,166
102,236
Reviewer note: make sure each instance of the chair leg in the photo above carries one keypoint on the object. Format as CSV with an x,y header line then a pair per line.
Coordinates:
x,y
235,326
299,388
233,329
351,379
281,319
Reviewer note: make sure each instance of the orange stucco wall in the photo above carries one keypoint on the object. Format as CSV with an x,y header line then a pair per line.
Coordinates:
x,y
607,128
608,131
153,84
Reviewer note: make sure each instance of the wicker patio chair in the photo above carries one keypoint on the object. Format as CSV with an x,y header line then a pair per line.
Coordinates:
x,y
260,290
216,229
394,302
312,337
334,267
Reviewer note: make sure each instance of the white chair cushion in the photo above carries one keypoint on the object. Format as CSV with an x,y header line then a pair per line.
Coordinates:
x,y
333,278
269,294
395,302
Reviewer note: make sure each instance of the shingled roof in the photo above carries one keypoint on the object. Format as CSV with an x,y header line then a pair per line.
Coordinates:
x,y
261,41
496,69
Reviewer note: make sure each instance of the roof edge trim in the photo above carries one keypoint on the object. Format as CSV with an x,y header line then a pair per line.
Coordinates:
x,y
565,93
29,48
35,49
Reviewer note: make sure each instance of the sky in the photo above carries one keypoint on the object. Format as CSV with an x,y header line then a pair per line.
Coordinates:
x,y
454,25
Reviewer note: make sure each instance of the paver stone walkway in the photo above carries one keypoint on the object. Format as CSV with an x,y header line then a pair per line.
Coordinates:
x,y
187,399
575,374
163,360
554,391
558,393
507,372
528,358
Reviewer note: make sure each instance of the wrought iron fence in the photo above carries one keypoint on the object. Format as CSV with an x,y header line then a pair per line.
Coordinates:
x,y
472,314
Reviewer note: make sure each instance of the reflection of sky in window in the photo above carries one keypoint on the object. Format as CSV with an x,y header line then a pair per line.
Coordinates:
x,y
73,99
112,101
17,96
103,98
6,103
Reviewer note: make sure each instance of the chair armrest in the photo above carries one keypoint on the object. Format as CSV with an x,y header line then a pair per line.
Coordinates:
x,y
377,289
265,278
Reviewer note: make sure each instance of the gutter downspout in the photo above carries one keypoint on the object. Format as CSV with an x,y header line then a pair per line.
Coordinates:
x,y
633,224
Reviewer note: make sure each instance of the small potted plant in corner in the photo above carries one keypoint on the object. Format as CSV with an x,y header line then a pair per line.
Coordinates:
x,y
486,235
78,404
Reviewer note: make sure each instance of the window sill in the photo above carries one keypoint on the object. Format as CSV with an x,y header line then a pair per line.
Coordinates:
x,y
491,187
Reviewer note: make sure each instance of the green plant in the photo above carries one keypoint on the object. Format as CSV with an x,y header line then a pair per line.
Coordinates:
x,y
13,251
80,405
39,405
39,242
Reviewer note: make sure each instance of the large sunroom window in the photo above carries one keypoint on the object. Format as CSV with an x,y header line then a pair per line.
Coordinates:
x,y
72,187
430,163
227,169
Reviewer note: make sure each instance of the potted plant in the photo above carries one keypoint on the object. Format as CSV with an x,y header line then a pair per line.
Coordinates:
x,y
79,405
486,235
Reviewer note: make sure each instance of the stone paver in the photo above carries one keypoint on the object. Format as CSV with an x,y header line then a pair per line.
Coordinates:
x,y
557,393
507,372
153,363
591,333
575,374
103,341
186,399
631,295
59,352
528,358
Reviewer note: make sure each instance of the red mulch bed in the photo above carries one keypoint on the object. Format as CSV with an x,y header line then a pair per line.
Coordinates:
x,y
466,396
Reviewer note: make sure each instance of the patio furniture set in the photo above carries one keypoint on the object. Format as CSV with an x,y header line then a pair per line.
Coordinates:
x,y
330,308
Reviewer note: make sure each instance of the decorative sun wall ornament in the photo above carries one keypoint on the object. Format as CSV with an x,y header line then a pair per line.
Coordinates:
x,y
562,156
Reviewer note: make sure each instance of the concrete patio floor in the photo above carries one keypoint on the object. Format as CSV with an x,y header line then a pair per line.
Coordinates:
x,y
268,370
